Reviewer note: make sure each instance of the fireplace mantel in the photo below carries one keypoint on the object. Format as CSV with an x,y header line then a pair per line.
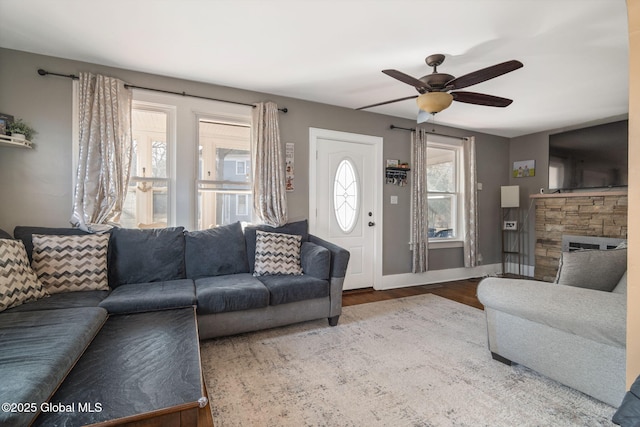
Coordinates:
x,y
579,194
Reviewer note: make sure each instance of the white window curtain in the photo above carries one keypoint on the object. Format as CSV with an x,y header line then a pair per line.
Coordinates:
x,y
104,152
470,203
419,202
269,193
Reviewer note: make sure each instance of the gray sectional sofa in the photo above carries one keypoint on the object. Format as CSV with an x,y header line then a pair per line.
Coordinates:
x,y
573,331
162,269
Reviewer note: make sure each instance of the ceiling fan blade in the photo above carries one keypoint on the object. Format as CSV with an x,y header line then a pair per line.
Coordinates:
x,y
481,99
484,74
388,102
405,78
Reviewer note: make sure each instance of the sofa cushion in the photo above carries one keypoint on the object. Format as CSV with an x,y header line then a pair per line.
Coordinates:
x,y
621,287
18,282
592,269
63,300
315,260
71,263
339,256
142,256
25,233
277,253
301,228
628,414
141,297
5,235
286,289
39,348
216,251
596,315
233,292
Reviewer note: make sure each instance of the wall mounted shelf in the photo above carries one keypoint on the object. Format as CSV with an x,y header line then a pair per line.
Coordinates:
x,y
397,176
9,141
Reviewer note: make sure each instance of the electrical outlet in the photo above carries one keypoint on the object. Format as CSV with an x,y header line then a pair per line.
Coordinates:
x,y
479,186
394,200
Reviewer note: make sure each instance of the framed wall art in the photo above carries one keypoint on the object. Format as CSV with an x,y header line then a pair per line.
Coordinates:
x,y
524,169
5,119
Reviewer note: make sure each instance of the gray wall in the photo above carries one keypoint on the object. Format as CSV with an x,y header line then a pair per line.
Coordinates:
x,y
536,147
35,185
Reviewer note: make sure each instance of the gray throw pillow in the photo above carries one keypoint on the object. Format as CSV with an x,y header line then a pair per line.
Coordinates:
x,y
25,233
592,269
300,228
277,254
71,263
18,282
216,252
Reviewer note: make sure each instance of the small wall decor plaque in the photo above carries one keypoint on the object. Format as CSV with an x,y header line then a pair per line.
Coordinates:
x,y
510,225
289,165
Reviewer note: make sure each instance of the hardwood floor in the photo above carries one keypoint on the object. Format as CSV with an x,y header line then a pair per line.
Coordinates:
x,y
462,291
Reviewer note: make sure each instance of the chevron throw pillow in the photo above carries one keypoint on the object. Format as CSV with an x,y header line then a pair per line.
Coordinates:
x,y
71,263
277,253
18,282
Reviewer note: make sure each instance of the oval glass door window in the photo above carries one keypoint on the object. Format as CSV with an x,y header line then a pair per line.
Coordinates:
x,y
345,195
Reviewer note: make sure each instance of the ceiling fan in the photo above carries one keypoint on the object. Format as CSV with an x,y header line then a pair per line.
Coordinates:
x,y
435,89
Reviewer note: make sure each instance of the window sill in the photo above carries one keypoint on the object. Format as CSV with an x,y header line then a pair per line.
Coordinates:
x,y
445,244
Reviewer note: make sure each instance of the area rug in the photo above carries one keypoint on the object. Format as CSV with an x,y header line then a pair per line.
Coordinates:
x,y
416,361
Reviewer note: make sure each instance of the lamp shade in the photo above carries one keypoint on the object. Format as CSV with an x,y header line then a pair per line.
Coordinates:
x,y
510,196
434,102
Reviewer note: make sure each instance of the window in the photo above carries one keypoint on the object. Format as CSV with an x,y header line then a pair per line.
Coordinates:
x,y
444,191
224,194
147,201
242,205
181,173
241,167
345,196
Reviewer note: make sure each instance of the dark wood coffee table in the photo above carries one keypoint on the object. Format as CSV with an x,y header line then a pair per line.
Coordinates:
x,y
141,369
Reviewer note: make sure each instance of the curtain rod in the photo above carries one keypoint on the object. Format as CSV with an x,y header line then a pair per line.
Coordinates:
x,y
430,133
128,86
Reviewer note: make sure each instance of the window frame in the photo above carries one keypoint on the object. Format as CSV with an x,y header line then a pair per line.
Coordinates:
x,y
200,183
457,194
169,179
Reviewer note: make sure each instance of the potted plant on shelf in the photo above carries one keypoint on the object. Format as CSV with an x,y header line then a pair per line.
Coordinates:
x,y
20,130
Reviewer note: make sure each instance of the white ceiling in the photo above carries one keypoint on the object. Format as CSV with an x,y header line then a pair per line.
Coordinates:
x,y
575,52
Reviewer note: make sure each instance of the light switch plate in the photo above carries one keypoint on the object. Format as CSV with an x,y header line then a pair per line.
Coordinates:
x,y
479,186
394,200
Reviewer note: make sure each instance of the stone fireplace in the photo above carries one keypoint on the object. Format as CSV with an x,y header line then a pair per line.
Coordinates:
x,y
582,215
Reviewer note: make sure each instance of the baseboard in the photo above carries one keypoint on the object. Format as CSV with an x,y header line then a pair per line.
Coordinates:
x,y
393,281
525,270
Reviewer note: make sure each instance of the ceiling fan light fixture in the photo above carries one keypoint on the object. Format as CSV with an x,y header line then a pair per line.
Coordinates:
x,y
434,102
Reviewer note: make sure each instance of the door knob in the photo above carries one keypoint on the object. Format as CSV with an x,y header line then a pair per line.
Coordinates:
x,y
371,223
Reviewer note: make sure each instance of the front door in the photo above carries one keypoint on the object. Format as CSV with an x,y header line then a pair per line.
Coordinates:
x,y
343,199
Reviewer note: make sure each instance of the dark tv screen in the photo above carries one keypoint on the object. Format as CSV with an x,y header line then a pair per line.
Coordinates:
x,y
593,157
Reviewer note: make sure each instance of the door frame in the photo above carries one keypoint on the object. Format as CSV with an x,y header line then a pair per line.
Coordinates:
x,y
316,134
